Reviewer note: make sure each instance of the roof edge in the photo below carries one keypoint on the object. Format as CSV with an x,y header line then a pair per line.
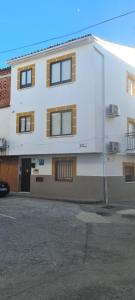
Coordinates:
x,y
51,49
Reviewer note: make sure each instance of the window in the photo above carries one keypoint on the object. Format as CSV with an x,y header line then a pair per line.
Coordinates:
x,y
61,123
64,169
131,85
61,69
129,172
131,126
26,78
25,122
131,134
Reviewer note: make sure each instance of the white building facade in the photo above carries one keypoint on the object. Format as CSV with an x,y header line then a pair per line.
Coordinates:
x,y
72,121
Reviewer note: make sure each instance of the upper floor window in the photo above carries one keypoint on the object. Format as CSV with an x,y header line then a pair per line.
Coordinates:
x,y
131,126
61,69
25,122
26,77
61,121
131,84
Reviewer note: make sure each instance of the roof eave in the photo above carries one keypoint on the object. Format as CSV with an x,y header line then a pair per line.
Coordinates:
x,y
64,46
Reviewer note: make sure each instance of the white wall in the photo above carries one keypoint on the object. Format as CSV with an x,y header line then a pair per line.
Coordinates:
x,y
95,83
39,98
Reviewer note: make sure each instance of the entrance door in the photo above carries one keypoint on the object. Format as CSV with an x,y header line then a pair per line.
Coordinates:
x,y
25,174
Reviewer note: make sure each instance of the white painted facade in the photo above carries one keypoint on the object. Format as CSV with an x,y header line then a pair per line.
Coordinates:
x,y
101,80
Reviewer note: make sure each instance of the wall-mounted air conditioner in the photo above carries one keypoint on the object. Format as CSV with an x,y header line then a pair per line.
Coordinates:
x,y
2,144
113,147
113,111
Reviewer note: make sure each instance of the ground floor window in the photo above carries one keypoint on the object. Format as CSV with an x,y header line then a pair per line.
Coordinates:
x,y
129,172
64,169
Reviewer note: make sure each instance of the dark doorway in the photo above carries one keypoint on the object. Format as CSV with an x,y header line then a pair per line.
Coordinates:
x,y
25,174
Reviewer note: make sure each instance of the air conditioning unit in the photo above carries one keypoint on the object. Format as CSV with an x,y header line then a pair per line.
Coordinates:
x,y
2,144
113,111
114,147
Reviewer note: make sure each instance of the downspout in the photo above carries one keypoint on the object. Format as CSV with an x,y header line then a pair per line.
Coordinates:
x,y
105,182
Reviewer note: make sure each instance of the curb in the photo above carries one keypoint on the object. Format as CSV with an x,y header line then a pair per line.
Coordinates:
x,y
66,200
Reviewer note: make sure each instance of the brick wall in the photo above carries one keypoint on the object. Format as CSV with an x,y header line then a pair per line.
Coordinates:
x,y
5,85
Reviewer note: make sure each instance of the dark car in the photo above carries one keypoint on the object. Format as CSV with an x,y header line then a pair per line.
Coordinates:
x,y
4,188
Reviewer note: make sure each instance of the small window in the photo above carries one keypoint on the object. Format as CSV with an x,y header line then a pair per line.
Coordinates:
x,y
26,78
129,171
131,85
64,170
131,127
61,71
25,124
61,123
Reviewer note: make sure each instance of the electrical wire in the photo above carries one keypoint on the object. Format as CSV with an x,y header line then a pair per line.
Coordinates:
x,y
69,34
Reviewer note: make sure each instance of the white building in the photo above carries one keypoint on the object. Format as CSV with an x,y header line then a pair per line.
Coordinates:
x,y
72,120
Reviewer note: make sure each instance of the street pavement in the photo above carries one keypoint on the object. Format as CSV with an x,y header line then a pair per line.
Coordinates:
x,y
63,251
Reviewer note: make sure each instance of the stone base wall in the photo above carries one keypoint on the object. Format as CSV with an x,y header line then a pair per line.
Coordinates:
x,y
84,188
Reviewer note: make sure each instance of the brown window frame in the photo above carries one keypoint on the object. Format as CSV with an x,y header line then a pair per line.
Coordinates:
x,y
61,63
60,112
73,109
60,59
132,178
19,76
22,86
31,115
24,117
64,163
132,78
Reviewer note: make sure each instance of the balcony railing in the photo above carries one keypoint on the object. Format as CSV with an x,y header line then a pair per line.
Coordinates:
x,y
131,141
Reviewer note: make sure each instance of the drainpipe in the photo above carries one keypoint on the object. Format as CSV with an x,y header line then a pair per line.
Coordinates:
x,y
105,183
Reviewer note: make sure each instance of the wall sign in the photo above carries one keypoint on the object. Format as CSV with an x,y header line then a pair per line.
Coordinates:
x,y
41,162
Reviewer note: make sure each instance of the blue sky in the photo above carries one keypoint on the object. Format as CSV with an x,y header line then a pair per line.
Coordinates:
x,y
29,21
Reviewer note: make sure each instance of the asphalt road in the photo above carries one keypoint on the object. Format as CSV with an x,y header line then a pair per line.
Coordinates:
x,y
59,251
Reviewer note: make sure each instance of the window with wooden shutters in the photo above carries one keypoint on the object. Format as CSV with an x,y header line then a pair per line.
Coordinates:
x,y
129,172
64,169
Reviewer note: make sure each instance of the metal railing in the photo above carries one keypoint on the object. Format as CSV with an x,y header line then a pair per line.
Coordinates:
x,y
131,141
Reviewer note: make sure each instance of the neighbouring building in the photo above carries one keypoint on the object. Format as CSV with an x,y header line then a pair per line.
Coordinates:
x,y
72,121
8,165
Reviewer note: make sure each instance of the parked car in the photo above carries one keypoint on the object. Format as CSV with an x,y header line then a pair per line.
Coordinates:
x,y
4,188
